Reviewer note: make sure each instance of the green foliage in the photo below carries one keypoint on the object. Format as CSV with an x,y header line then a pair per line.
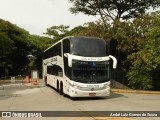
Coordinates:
x,y
75,31
94,29
114,9
6,45
13,49
36,41
37,45
15,45
146,62
55,31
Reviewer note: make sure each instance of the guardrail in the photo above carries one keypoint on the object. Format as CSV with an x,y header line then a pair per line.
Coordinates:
x,y
11,80
9,77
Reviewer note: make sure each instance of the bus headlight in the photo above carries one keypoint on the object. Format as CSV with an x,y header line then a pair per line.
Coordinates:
x,y
74,85
71,84
106,85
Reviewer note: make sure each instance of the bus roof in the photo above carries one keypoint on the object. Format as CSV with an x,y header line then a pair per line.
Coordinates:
x,y
69,37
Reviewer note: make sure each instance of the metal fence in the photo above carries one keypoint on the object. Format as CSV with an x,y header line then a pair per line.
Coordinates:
x,y
118,79
11,80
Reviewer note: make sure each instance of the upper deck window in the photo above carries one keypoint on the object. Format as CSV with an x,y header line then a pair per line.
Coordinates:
x,y
88,47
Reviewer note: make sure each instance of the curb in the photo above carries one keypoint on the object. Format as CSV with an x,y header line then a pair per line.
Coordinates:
x,y
135,91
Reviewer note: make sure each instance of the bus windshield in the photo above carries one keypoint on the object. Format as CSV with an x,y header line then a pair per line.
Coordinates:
x,y
88,47
90,71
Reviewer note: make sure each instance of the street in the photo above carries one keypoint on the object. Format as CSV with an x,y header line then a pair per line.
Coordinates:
x,y
19,97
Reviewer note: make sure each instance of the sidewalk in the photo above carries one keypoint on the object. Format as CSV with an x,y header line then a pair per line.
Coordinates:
x,y
135,91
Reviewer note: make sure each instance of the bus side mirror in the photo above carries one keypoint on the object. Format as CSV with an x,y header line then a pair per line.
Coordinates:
x,y
66,55
69,59
114,61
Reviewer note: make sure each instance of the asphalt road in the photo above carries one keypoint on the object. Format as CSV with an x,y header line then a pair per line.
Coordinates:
x,y
19,97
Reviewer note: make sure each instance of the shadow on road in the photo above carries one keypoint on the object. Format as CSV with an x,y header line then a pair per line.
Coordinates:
x,y
112,96
115,95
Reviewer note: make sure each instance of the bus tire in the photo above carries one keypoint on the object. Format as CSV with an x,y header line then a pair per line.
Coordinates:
x,y
45,80
61,89
64,94
57,86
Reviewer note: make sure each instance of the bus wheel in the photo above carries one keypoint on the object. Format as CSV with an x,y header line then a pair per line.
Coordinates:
x,y
57,86
45,80
61,89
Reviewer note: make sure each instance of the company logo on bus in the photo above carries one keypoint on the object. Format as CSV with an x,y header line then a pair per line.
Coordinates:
x,y
91,59
91,86
92,89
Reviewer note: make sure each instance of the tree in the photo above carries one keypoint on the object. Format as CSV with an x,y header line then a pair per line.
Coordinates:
x,y
113,9
145,69
94,29
57,30
76,31
6,45
13,47
6,48
37,45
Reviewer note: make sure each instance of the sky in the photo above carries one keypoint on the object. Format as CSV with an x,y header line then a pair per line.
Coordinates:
x,y
36,16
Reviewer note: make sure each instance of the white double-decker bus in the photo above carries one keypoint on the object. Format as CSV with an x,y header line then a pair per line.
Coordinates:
x,y
78,67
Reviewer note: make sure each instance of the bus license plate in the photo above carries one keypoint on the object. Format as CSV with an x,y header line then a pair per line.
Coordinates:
x,y
92,94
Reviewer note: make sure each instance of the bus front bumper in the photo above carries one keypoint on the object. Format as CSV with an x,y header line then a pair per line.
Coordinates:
x,y
80,93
